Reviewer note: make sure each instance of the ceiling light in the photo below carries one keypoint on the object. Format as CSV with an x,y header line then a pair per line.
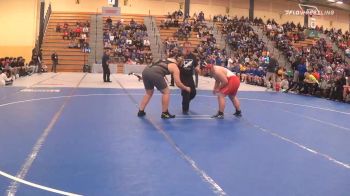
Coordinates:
x,y
332,1
339,2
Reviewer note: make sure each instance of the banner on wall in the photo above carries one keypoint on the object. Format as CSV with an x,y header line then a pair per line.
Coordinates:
x,y
311,32
111,2
312,23
309,10
111,11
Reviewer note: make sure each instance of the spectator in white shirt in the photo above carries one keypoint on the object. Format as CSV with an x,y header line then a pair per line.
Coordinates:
x,y
347,52
146,42
5,78
86,30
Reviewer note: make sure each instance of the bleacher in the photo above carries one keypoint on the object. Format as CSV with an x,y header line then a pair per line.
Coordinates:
x,y
165,33
70,60
138,18
304,43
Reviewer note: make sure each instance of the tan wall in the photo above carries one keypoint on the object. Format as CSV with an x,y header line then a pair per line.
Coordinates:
x,y
84,6
19,22
340,20
156,7
239,12
263,8
16,51
239,8
275,9
14,42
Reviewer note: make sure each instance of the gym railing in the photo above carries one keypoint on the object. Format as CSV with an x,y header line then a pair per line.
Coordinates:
x,y
45,24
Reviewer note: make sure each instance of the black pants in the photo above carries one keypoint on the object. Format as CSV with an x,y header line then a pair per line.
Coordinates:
x,y
309,88
54,65
106,73
186,96
40,67
195,76
337,93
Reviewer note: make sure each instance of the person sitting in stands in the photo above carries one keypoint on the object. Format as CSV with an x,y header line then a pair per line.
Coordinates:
x,y
86,30
347,52
65,26
77,31
109,22
86,47
72,44
146,42
310,84
65,35
58,28
83,37
71,34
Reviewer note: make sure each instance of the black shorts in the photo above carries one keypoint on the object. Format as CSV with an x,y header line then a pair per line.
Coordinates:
x,y
153,79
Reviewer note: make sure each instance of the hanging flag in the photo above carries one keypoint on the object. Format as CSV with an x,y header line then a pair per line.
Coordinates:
x,y
111,2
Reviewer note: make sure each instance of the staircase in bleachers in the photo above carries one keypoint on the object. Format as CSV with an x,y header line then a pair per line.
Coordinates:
x,y
220,39
154,38
166,33
334,46
70,60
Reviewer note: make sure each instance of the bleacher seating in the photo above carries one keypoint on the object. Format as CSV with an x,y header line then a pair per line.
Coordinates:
x,y
138,18
165,33
70,60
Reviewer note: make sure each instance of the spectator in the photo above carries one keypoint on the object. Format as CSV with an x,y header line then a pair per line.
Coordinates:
x,y
54,58
5,78
109,22
86,30
58,28
271,72
105,66
65,35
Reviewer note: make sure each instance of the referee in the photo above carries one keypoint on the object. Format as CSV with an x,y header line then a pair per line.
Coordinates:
x,y
105,66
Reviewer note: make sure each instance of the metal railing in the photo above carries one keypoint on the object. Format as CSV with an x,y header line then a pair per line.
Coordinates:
x,y
156,36
45,24
43,28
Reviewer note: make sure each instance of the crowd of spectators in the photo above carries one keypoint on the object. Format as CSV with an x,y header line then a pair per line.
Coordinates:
x,y
128,42
172,20
315,69
341,39
12,68
184,25
78,35
249,57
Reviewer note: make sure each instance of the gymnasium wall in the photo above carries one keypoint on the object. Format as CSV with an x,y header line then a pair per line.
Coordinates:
x,y
275,9
72,6
239,8
18,27
21,23
340,20
155,7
